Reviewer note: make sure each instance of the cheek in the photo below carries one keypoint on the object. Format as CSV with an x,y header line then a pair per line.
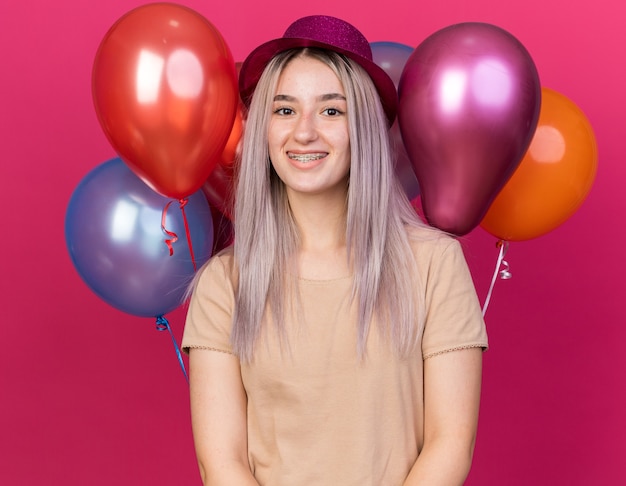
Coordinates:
x,y
342,142
275,138
273,147
342,136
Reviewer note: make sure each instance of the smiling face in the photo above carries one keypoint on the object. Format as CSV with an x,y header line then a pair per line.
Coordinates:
x,y
308,134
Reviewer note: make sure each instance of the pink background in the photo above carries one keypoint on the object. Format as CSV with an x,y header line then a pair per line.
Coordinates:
x,y
89,395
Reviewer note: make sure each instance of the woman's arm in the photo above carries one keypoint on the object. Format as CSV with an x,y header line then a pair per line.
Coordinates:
x,y
451,400
218,417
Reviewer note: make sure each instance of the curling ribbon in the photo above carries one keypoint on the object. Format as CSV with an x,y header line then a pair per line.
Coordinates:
x,y
173,236
163,325
502,270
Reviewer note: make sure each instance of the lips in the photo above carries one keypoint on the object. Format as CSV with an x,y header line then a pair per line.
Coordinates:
x,y
305,158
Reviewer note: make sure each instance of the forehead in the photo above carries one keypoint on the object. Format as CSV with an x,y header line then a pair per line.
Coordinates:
x,y
307,73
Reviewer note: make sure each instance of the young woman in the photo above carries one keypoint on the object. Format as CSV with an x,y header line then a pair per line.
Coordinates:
x,y
339,342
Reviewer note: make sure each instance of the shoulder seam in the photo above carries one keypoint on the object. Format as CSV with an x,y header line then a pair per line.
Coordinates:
x,y
208,348
456,348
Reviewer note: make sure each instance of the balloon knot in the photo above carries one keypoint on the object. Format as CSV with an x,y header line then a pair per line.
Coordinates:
x,y
161,323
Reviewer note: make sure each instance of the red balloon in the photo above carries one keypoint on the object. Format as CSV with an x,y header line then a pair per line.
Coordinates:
x,y
220,186
223,234
165,92
469,103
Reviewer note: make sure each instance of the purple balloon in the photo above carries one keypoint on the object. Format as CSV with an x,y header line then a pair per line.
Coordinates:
x,y
469,105
392,57
114,237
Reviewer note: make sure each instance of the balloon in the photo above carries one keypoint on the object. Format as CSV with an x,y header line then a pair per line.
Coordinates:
x,y
219,187
222,230
392,57
229,154
469,99
554,177
165,92
114,238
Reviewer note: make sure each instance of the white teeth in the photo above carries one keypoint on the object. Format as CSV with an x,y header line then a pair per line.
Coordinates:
x,y
306,157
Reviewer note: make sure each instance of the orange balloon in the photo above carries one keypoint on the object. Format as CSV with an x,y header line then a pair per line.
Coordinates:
x,y
232,144
554,177
164,87
219,187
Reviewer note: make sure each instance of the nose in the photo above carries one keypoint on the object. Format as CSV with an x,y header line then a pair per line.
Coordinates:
x,y
305,130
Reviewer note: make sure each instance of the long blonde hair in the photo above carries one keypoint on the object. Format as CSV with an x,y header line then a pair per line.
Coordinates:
x,y
378,213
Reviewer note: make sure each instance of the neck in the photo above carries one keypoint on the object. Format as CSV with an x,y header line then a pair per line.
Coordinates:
x,y
321,220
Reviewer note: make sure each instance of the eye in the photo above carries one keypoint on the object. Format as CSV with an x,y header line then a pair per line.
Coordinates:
x,y
283,110
333,112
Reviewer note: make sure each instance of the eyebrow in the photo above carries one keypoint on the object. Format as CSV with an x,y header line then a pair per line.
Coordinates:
x,y
324,97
